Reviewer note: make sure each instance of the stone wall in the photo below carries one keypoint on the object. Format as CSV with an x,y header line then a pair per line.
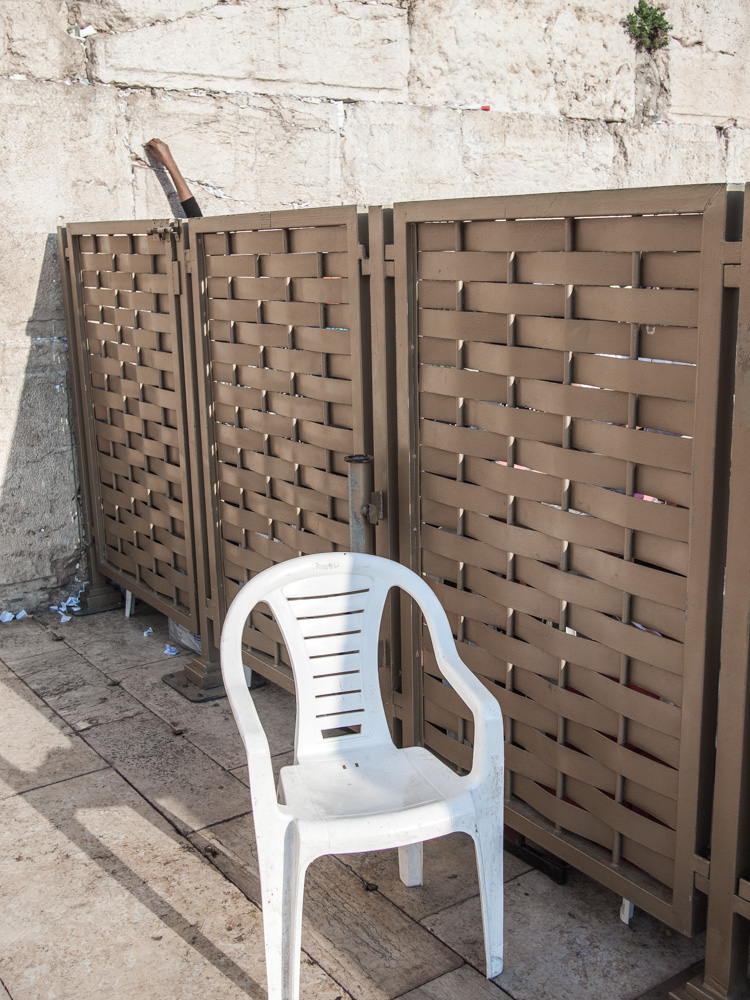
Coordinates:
x,y
279,103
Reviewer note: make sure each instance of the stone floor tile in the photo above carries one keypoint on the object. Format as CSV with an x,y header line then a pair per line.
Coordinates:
x,y
358,936
78,692
565,942
210,725
450,874
177,778
36,746
115,644
27,639
103,900
461,984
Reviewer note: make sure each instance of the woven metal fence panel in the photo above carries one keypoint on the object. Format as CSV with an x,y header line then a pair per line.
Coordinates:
x,y
563,428
286,397
128,343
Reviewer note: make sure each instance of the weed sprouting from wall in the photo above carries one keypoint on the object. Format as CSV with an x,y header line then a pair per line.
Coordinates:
x,y
648,26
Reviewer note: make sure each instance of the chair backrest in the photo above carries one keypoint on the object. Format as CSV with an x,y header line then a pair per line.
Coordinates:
x,y
329,609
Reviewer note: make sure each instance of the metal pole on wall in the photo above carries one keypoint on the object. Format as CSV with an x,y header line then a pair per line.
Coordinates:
x,y
362,517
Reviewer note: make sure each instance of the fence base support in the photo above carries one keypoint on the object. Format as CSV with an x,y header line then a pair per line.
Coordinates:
x,y
195,686
551,866
696,989
94,600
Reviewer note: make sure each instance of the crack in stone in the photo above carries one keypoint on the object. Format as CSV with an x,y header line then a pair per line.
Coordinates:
x,y
74,14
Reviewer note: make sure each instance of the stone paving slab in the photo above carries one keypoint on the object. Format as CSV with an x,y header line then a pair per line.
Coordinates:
x,y
25,640
210,726
450,874
358,936
565,942
103,900
36,746
115,644
464,983
178,779
78,692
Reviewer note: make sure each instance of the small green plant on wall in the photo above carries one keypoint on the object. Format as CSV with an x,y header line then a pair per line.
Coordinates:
x,y
648,26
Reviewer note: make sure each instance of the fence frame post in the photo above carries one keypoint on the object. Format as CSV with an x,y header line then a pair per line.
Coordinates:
x,y
728,924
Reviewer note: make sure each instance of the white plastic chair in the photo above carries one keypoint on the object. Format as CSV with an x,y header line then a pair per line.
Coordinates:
x,y
350,789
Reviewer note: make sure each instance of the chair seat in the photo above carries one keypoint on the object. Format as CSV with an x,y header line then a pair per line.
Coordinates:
x,y
371,782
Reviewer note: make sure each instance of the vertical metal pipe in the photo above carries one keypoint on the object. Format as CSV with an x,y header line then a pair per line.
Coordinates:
x,y
361,529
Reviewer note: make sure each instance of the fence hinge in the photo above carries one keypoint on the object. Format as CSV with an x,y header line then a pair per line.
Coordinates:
x,y
375,510
164,232
390,257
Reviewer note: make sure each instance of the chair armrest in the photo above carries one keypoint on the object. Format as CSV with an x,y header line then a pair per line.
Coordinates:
x,y
262,785
489,746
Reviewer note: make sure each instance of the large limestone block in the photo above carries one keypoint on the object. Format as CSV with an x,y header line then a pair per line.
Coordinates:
x,y
401,153
321,48
529,57
36,41
661,154
737,142
63,156
708,56
238,153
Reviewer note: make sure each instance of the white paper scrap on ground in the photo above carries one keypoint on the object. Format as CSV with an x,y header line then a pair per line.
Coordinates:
x,y
148,631
64,618
21,614
6,616
170,650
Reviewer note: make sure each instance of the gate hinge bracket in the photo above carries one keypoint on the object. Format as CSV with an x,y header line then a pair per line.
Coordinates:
x,y
375,511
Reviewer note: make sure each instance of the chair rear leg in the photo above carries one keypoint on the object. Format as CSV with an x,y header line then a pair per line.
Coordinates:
x,y
282,879
488,843
410,864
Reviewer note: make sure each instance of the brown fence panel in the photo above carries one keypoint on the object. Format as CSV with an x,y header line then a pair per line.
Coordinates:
x,y
131,374
286,398
564,399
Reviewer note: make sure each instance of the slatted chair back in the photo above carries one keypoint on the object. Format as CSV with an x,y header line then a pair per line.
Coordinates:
x,y
330,620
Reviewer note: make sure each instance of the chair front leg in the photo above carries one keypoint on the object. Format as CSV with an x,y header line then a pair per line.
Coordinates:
x,y
488,843
282,882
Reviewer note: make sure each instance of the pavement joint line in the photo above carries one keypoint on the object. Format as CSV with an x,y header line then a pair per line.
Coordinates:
x,y
71,777
229,819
